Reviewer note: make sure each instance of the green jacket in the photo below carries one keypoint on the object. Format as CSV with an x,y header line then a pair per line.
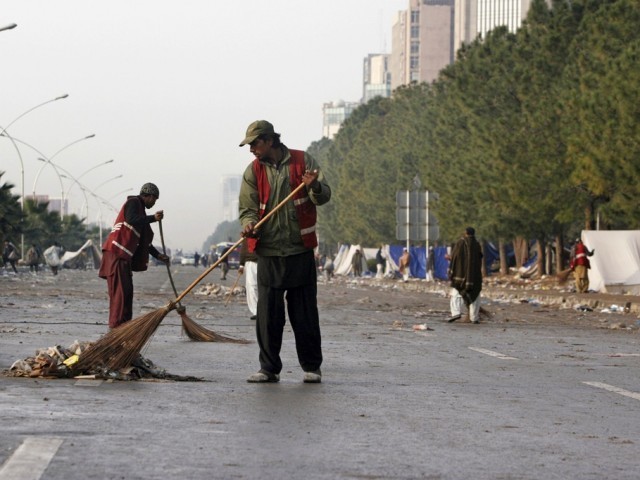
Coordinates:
x,y
280,235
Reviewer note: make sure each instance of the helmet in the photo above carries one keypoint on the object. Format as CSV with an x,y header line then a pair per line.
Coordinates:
x,y
150,189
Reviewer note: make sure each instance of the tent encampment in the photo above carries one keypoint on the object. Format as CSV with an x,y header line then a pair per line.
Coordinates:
x,y
342,262
615,264
88,256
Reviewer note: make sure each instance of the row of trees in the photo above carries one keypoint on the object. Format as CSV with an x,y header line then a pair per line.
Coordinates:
x,y
39,226
532,134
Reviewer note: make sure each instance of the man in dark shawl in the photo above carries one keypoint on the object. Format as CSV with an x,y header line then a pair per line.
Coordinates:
x,y
465,273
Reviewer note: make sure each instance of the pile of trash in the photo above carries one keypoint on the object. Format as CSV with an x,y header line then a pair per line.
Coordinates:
x,y
214,289
57,362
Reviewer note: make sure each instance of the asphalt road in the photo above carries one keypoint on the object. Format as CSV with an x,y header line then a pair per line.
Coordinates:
x,y
532,392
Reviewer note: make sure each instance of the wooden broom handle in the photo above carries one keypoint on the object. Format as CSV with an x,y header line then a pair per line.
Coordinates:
x,y
233,247
164,250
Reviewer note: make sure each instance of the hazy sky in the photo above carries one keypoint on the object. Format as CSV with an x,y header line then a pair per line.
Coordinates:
x,y
169,87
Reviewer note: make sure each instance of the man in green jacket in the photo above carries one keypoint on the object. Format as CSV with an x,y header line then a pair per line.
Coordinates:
x,y
284,246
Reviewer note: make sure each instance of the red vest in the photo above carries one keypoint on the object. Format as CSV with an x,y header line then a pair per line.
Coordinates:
x,y
581,255
130,242
305,208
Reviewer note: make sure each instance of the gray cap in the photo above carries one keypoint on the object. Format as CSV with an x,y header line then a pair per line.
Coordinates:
x,y
257,128
150,189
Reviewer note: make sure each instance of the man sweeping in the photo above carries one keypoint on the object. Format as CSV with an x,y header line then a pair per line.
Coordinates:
x,y
127,250
284,247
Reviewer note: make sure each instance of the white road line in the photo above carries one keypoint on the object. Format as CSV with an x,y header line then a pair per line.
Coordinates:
x,y
492,353
30,459
611,388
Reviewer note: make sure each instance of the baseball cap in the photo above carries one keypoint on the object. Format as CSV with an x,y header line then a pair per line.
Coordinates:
x,y
257,128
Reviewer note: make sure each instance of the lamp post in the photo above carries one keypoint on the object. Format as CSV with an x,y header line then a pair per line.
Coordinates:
x,y
8,27
55,168
108,180
4,133
50,160
66,195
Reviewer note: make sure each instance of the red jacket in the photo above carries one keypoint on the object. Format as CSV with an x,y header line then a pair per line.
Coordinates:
x,y
131,236
582,255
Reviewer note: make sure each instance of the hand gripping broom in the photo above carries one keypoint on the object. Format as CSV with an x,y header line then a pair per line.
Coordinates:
x,y
194,331
120,346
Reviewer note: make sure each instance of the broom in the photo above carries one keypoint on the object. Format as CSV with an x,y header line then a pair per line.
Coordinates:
x,y
120,346
194,331
230,292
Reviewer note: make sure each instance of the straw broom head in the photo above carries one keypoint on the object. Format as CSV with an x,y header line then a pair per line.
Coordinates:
x,y
120,346
198,333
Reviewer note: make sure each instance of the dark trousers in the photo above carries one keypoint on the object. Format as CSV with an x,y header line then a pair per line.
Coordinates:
x,y
120,286
291,279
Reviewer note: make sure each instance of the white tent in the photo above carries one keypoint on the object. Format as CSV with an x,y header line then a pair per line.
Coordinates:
x,y
86,257
615,264
342,262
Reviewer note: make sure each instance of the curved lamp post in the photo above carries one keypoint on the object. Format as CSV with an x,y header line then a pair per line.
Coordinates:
x,y
4,133
50,160
66,195
55,168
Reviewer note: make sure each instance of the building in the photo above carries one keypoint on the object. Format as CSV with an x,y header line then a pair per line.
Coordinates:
x,y
422,41
376,77
475,18
333,114
230,194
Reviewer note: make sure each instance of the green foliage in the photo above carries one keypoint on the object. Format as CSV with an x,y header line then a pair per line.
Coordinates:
x,y
10,214
527,134
39,226
224,232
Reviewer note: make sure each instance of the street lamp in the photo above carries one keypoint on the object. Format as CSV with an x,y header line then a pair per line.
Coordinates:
x,y
8,27
50,160
55,168
66,195
4,133
108,180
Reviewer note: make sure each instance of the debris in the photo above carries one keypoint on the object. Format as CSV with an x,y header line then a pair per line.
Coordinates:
x,y
421,326
583,308
56,362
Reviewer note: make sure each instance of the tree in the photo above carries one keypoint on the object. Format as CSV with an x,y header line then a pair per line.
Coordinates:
x,y
10,213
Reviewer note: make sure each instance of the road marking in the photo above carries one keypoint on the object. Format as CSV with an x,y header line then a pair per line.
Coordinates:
x,y
611,388
492,353
30,459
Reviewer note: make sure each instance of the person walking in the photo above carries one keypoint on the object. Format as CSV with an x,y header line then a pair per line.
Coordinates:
x,y
249,267
53,257
431,265
10,255
127,250
32,258
380,263
465,273
356,263
404,265
580,265
224,265
284,246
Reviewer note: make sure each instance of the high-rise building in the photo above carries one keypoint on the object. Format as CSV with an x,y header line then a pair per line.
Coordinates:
x,y
475,18
422,41
333,114
230,194
376,77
